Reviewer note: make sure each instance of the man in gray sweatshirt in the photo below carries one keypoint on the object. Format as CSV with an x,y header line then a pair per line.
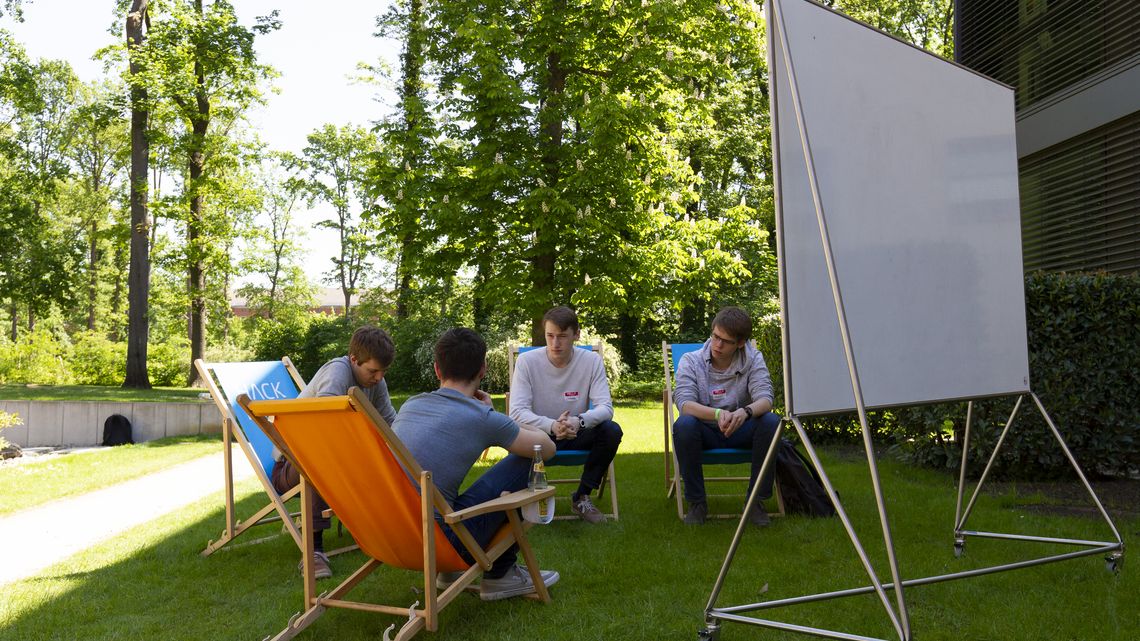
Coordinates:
x,y
724,396
564,392
370,353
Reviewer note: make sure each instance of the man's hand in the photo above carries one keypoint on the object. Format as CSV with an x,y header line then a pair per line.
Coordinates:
x,y
729,422
484,398
565,426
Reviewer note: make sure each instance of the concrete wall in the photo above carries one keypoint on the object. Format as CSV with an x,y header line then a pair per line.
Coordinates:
x,y
78,423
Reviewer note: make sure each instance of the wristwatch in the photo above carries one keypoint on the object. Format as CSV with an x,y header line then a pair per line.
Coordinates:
x,y
748,410
581,423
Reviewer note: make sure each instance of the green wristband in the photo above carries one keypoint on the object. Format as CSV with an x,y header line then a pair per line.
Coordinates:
x,y
716,414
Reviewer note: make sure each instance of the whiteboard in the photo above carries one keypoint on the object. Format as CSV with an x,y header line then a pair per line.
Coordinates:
x,y
916,165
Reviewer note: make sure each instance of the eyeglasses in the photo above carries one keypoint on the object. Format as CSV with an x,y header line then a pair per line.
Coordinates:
x,y
720,340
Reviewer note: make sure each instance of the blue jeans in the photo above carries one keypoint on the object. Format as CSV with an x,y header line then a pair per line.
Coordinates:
x,y
508,475
691,436
602,441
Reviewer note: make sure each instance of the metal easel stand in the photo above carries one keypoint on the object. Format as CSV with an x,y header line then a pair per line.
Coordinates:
x,y
897,614
1113,550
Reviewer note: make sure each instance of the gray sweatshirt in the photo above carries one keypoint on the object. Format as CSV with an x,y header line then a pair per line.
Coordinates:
x,y
745,381
540,392
335,377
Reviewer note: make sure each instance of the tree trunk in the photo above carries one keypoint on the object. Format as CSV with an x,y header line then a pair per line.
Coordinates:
x,y
117,295
628,346
544,263
138,281
197,222
413,112
15,313
92,274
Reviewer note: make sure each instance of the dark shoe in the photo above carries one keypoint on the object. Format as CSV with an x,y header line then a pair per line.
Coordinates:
x,y
586,510
759,516
516,582
697,514
321,569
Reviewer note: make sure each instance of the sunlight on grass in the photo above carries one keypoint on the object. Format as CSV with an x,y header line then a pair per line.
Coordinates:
x,y
646,576
29,484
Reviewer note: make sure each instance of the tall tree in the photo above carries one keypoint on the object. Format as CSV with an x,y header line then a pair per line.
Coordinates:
x,y
204,62
580,123
138,281
99,141
405,173
42,134
336,163
275,246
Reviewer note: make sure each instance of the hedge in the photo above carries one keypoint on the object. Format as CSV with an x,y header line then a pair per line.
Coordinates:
x,y
1084,363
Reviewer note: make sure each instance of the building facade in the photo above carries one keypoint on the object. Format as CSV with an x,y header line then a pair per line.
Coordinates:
x,y
1075,67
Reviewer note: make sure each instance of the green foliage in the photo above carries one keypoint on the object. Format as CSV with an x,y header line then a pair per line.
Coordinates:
x,y
8,420
168,362
1084,366
308,340
412,369
37,357
95,360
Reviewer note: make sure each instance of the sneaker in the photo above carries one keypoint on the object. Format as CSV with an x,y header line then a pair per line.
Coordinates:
x,y
759,516
697,513
585,509
443,580
321,567
515,582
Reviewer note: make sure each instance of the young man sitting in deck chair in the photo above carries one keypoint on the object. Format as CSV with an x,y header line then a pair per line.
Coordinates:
x,y
370,352
724,395
564,391
447,431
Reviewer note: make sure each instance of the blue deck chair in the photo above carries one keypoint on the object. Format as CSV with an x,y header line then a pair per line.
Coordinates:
x,y
568,458
671,358
265,380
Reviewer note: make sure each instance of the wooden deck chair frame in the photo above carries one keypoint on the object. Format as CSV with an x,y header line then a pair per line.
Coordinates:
x,y
708,457
568,458
437,554
232,431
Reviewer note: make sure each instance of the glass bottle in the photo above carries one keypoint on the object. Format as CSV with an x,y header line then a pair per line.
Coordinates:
x,y
537,471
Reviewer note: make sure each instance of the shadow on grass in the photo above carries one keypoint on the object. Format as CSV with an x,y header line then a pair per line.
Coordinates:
x,y
647,576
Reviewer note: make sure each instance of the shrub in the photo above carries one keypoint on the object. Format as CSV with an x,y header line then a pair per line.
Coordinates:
x,y
277,338
415,338
1084,366
498,370
96,360
37,357
168,362
8,420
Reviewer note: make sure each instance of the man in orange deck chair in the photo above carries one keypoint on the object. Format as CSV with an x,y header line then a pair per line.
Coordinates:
x,y
373,489
447,431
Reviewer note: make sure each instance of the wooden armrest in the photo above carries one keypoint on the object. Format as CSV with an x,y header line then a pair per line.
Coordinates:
x,y
510,501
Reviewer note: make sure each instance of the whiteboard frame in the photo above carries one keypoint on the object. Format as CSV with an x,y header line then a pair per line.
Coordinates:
x,y
1003,373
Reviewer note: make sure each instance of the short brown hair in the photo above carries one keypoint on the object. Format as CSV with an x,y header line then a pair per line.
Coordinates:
x,y
372,343
563,317
460,354
735,322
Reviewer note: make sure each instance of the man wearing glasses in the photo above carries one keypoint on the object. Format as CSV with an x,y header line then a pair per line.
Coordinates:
x,y
724,397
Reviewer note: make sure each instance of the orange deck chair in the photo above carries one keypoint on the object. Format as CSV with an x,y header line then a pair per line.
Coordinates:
x,y
346,451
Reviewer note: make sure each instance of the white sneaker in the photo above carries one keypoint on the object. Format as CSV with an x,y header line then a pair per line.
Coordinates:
x,y
515,582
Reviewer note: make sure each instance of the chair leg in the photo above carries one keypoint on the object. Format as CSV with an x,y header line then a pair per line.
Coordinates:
x,y
613,490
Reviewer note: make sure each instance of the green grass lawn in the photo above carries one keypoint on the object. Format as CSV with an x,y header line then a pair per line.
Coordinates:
x,y
32,392
646,576
57,476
